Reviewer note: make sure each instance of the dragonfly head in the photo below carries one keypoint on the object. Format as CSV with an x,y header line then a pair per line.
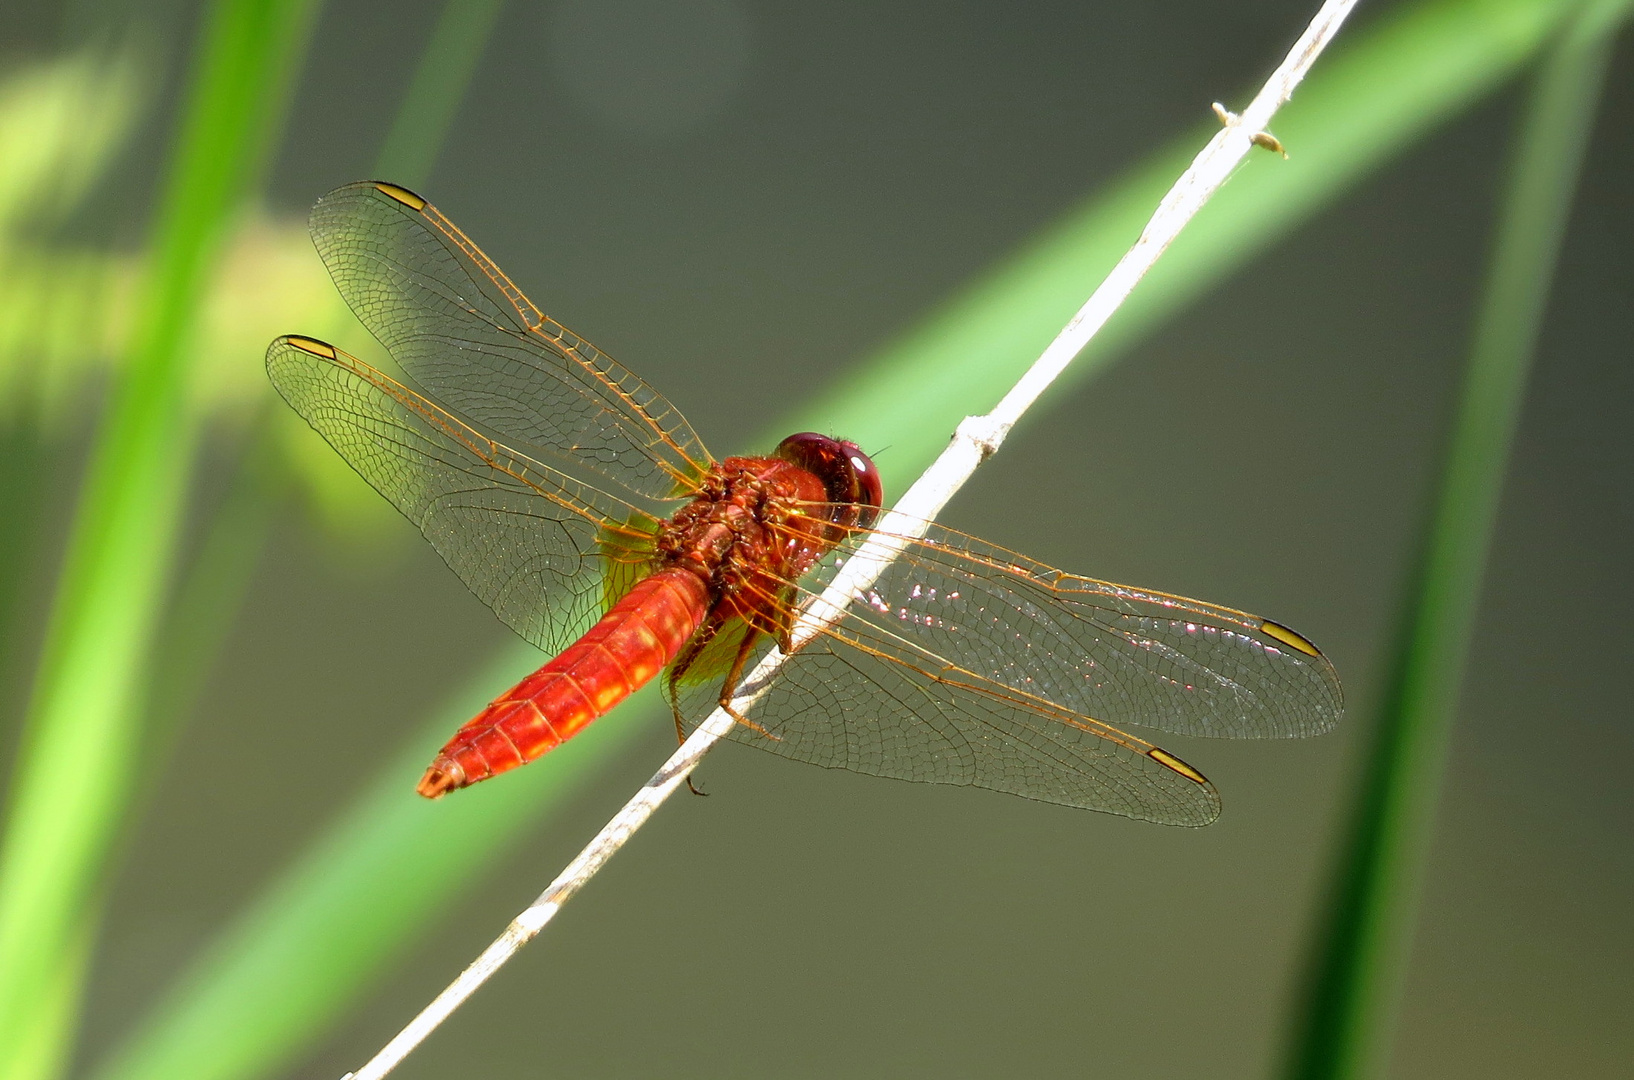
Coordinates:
x,y
848,475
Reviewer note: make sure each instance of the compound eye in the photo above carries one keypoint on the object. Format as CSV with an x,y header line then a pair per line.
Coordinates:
x,y
848,475
870,488
809,450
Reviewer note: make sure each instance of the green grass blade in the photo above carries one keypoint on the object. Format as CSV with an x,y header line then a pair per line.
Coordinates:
x,y
73,773
1359,109
237,1033
1344,1027
61,122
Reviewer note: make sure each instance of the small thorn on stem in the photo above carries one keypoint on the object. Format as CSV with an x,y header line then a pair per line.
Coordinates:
x,y
1267,141
1262,139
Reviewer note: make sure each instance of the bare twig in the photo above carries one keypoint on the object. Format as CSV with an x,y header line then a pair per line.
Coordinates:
x,y
975,440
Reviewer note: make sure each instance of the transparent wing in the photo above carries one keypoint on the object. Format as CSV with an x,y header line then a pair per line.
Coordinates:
x,y
540,548
459,327
866,703
965,663
1122,655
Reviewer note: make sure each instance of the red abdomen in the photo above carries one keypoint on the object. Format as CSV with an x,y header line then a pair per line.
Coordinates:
x,y
629,645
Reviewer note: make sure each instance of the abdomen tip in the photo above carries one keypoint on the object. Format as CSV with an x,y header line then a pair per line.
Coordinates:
x,y
443,776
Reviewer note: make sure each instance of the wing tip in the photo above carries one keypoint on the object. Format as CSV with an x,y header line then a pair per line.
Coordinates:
x,y
1169,761
1289,637
305,344
1196,816
399,193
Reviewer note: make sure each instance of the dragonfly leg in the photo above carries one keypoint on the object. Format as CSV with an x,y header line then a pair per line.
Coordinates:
x,y
783,632
672,684
745,647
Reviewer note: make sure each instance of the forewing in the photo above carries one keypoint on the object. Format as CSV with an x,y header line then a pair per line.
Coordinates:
x,y
1122,655
533,544
459,327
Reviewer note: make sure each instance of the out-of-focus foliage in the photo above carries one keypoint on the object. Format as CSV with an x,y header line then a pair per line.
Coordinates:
x,y
1357,972
67,309
60,124
66,812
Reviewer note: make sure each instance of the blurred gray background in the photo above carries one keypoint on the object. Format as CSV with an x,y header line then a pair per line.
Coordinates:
x,y
741,199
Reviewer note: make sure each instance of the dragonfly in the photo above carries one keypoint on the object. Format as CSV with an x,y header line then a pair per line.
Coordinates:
x,y
576,502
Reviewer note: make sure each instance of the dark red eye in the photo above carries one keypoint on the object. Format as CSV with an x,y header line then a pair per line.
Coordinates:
x,y
848,474
870,489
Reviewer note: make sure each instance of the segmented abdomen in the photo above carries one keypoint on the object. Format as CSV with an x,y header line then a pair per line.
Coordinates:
x,y
629,645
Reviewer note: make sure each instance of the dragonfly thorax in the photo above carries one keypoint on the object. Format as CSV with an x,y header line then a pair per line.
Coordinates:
x,y
746,514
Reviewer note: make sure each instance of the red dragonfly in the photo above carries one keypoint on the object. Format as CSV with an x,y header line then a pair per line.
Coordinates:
x,y
575,501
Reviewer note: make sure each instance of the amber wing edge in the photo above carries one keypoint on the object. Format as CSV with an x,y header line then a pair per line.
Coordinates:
x,y
687,460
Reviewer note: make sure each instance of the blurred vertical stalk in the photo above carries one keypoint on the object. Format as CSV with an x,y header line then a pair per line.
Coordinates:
x,y
1356,972
434,94
73,776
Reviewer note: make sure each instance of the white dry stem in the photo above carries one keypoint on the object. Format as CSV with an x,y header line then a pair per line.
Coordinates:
x,y
975,440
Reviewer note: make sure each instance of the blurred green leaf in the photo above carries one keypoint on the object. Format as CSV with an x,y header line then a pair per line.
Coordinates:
x,y
277,262
69,311
73,774
60,125
1346,1017
1358,110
